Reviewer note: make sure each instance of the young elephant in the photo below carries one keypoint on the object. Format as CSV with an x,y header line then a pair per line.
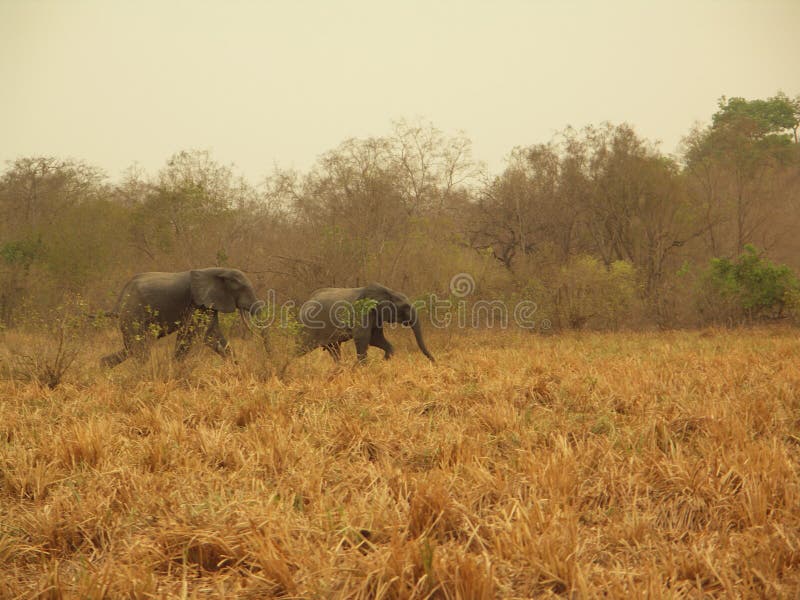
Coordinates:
x,y
334,315
153,305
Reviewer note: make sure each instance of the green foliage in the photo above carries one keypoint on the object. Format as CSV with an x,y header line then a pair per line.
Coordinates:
x,y
21,252
228,322
751,287
539,292
362,307
772,115
684,269
587,226
290,323
747,134
589,293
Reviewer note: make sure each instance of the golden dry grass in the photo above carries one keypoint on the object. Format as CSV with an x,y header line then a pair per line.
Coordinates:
x,y
581,465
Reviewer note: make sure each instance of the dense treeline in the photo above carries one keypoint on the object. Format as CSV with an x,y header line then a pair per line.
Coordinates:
x,y
598,226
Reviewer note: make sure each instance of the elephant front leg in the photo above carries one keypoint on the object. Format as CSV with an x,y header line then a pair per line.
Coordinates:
x,y
215,340
379,341
189,328
361,338
219,344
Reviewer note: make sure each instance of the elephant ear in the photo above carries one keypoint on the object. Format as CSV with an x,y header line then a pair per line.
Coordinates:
x,y
209,290
386,308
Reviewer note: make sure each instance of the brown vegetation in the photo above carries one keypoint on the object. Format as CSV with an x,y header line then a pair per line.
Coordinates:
x,y
598,226
519,465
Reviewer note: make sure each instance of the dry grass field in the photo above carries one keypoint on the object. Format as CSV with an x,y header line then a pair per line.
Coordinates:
x,y
579,465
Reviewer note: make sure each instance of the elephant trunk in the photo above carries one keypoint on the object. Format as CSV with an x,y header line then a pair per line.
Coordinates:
x,y
261,333
417,329
246,318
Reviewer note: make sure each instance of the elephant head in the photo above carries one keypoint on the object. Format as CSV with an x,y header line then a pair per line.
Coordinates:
x,y
394,307
224,290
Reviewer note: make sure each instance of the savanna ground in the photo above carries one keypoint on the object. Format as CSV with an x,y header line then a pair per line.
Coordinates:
x,y
517,466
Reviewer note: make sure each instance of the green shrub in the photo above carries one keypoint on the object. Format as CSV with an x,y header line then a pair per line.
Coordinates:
x,y
747,289
587,293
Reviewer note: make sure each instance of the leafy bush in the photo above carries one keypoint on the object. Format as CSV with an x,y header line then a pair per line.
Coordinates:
x,y
749,288
588,293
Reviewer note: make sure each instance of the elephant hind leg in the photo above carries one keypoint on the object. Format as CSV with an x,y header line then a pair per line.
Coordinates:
x,y
212,337
362,343
136,339
133,345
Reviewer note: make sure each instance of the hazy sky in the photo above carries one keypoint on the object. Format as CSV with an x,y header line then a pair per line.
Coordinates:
x,y
115,82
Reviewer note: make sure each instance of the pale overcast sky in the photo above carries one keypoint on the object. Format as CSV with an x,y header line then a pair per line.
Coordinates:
x,y
115,82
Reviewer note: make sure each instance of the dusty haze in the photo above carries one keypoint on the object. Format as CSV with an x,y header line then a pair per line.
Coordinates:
x,y
260,84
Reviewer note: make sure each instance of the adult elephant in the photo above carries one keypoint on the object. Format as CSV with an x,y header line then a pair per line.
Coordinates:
x,y
335,315
156,304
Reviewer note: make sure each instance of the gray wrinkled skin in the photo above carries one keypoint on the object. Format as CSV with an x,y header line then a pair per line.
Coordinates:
x,y
335,315
156,304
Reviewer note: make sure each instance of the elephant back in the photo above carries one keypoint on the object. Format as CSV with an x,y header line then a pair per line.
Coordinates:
x,y
156,296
